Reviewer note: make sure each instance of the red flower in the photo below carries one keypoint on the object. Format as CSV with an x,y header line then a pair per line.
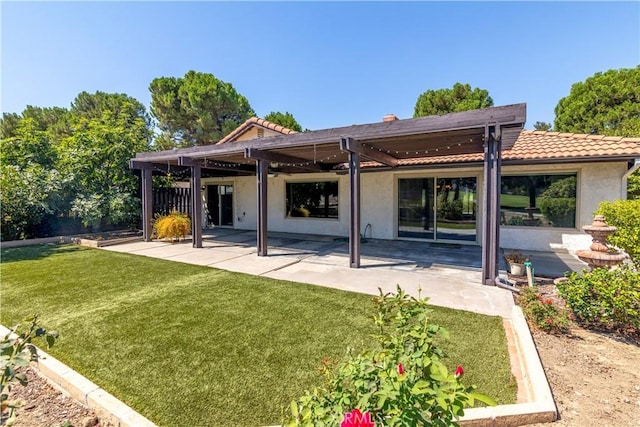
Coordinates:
x,y
548,301
459,372
400,369
356,418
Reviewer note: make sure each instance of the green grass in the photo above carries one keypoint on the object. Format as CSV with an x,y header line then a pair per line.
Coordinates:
x,y
187,345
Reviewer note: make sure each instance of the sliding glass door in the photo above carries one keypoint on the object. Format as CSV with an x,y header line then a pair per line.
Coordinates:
x,y
437,208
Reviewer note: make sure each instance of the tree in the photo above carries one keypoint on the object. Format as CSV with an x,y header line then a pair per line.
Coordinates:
x,y
459,98
108,130
544,126
605,104
287,120
57,163
198,109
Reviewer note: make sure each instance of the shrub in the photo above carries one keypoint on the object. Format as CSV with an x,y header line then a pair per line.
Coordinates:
x,y
16,350
605,298
172,226
625,215
541,311
516,257
403,382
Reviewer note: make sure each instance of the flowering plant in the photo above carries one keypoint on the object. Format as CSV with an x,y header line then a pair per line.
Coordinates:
x,y
542,312
402,382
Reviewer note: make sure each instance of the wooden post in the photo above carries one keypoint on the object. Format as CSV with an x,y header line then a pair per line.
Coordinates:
x,y
354,206
147,203
196,206
491,205
261,178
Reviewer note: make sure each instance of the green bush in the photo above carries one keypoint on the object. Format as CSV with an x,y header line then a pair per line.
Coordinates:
x,y
625,215
541,312
605,298
404,382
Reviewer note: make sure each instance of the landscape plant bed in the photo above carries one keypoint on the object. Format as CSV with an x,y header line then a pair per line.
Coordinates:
x,y
98,240
189,345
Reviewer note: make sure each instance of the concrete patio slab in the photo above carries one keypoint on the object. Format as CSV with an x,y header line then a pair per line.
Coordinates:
x,y
208,257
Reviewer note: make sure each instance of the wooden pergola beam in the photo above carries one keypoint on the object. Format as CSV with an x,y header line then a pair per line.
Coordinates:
x,y
269,156
354,203
491,204
352,146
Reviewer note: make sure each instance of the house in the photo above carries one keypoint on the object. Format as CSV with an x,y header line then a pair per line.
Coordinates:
x,y
436,178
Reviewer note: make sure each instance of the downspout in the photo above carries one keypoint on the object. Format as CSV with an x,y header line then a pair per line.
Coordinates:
x,y
625,177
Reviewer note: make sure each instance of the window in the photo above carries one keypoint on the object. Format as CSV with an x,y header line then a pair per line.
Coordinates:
x,y
538,200
312,199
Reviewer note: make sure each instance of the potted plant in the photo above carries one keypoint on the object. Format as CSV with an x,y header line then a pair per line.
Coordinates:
x,y
516,261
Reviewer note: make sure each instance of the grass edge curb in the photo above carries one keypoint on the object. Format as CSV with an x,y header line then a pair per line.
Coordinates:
x,y
540,406
86,392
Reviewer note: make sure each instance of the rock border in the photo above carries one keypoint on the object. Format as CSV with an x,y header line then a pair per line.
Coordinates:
x,y
69,239
535,399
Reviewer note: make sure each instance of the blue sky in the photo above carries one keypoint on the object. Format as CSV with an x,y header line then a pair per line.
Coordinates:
x,y
330,64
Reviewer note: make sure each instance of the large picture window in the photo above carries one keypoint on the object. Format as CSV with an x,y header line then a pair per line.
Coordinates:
x,y
312,199
538,200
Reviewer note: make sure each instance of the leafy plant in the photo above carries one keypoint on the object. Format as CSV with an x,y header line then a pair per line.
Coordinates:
x,y
16,350
172,226
542,312
402,382
516,257
625,215
605,298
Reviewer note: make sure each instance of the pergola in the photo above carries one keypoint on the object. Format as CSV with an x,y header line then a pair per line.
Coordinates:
x,y
392,144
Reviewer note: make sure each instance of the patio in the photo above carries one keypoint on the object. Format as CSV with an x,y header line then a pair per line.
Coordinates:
x,y
450,274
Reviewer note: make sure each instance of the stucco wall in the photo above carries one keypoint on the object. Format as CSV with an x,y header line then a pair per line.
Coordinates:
x,y
596,182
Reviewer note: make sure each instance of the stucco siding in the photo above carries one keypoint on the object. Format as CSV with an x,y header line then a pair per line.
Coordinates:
x,y
596,182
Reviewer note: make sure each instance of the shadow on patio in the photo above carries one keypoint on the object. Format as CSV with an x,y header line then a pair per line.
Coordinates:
x,y
395,254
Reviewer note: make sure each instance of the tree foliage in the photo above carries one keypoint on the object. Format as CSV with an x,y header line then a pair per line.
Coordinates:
x,y
606,104
459,98
197,109
58,163
109,130
543,126
284,119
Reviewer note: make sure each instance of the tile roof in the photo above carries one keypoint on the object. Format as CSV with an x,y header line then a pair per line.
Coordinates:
x,y
543,145
255,121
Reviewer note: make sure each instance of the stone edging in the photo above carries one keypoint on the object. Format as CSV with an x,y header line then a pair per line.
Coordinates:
x,y
69,239
86,392
539,406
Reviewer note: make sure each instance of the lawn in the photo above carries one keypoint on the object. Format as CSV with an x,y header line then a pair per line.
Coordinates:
x,y
187,345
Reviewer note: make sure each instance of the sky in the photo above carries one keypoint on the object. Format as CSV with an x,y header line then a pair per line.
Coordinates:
x,y
330,64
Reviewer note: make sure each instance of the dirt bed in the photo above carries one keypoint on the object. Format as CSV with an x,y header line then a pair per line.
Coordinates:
x,y
595,378
45,406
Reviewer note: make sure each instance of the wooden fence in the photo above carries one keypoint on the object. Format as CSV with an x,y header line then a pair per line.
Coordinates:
x,y
167,199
